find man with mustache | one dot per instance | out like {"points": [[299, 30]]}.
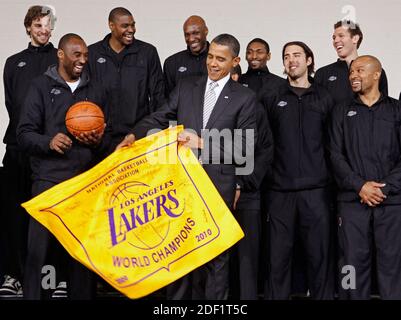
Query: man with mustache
{"points": [[298, 198], [365, 151]]}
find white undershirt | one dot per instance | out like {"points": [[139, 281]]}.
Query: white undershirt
{"points": [[73, 85], [222, 82]]}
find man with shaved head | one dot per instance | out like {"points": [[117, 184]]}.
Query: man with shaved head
{"points": [[365, 151], [130, 69], [57, 156], [189, 62]]}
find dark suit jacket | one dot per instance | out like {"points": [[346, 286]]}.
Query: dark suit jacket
{"points": [[234, 109]]}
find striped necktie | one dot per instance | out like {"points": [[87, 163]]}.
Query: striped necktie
{"points": [[210, 101]]}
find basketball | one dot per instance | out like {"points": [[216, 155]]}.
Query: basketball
{"points": [[84, 116]]}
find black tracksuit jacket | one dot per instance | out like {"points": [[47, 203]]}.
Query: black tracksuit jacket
{"points": [[335, 78], [262, 81], [43, 116], [134, 80], [20, 69], [181, 65], [299, 127], [365, 145]]}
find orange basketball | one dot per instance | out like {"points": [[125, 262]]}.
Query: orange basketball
{"points": [[84, 116]]}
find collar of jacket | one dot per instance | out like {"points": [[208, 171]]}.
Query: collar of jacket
{"points": [[132, 48], [53, 74], [263, 71], [343, 64], [202, 54], [46, 48], [311, 89], [357, 100]]}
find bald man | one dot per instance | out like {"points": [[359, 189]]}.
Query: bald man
{"points": [[189, 62], [365, 151], [57, 156]]}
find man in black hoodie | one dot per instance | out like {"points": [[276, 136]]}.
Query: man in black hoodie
{"points": [[299, 193], [365, 151], [19, 71], [56, 155], [131, 71]]}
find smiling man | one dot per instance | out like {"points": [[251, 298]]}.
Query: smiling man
{"points": [[57, 156], [365, 151], [258, 77], [298, 198], [189, 62], [204, 103], [347, 37], [19, 71], [130, 69]]}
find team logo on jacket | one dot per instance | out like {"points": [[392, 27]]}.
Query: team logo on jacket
{"points": [[21, 64], [182, 69], [282, 104], [351, 113], [101, 60], [55, 91], [245, 85], [332, 78]]}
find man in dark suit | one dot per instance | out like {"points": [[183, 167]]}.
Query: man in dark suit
{"points": [[208, 105]]}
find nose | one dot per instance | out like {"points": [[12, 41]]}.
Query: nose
{"points": [[254, 55]]}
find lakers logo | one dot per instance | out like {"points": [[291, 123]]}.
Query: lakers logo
{"points": [[135, 209]]}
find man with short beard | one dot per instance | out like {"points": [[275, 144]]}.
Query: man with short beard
{"points": [[299, 197], [347, 38], [57, 156], [19, 71], [131, 71], [365, 151], [189, 62]]}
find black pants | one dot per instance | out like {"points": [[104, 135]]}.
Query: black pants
{"points": [[311, 208], [361, 231], [16, 189], [248, 215], [43, 248]]}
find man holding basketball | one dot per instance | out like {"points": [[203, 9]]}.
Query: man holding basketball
{"points": [[56, 155]]}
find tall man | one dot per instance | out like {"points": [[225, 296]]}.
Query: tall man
{"points": [[347, 38], [210, 102], [19, 71], [56, 155], [131, 71], [189, 62], [298, 196], [365, 148]]}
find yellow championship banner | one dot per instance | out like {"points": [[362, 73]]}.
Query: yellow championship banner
{"points": [[142, 218]]}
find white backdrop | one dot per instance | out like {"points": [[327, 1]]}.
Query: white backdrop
{"points": [[160, 23]]}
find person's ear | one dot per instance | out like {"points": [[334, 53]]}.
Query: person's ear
{"points": [[60, 54], [111, 26], [269, 55], [236, 61]]}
